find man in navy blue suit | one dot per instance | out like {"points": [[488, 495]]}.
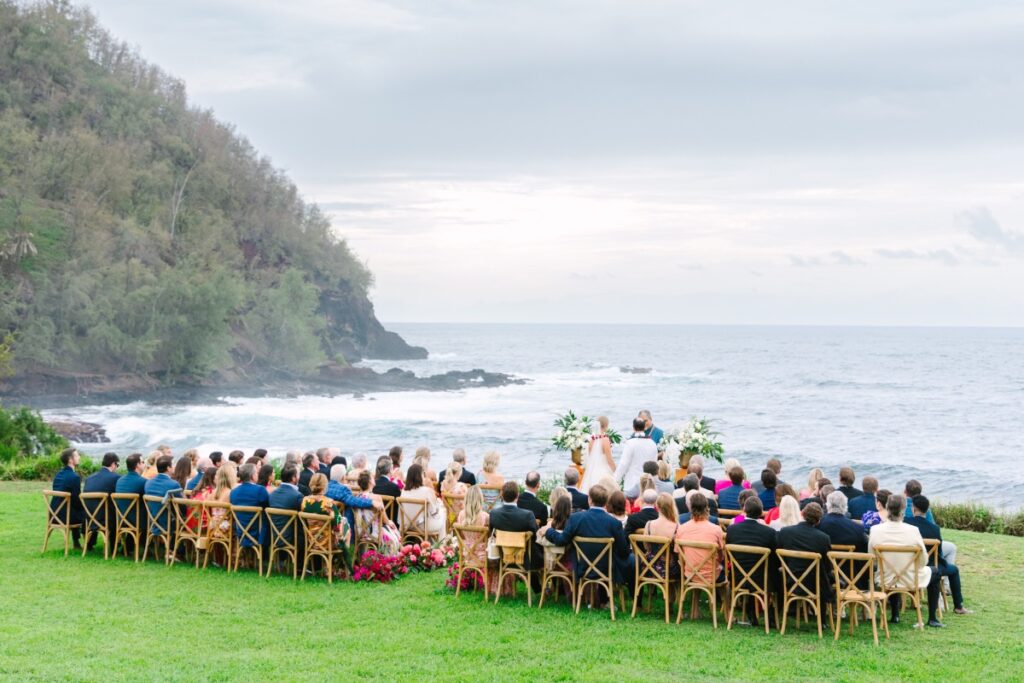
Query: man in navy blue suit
{"points": [[858, 505], [104, 480], [840, 529], [163, 486], [68, 481], [595, 522], [287, 497], [249, 494], [579, 499], [133, 482]]}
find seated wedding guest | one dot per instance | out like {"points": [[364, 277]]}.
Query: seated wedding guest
{"points": [[416, 489], [293, 457], [580, 500], [873, 517], [595, 522], [249, 493], [368, 519], [768, 483], [846, 480], [473, 512], [182, 472], [812, 483], [930, 530], [236, 456], [508, 516], [383, 486], [255, 461], [467, 478], [260, 453], [358, 465], [729, 496], [691, 485], [396, 463], [451, 480], [192, 455], [216, 458], [806, 537], [204, 489], [150, 471], [323, 461], [489, 475], [700, 529], [840, 529], [163, 486], [68, 481], [894, 531], [787, 513], [781, 491], [338, 491], [911, 489], [754, 532], [773, 464], [265, 478], [226, 479], [132, 482], [104, 480], [318, 503], [664, 524], [663, 484], [866, 501], [745, 495], [287, 497], [696, 466], [650, 469], [694, 470], [310, 468], [617, 506], [648, 512], [422, 459], [203, 465], [824, 488], [730, 465], [528, 498]]}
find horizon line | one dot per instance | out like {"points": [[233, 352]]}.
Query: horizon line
{"points": [[664, 324]]}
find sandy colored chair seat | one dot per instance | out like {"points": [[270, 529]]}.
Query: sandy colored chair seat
{"points": [[851, 572], [281, 524], [652, 569], [597, 571], [752, 584], [472, 542], [97, 509], [693, 580], [516, 551], [803, 589], [58, 517], [390, 511], [127, 509]]}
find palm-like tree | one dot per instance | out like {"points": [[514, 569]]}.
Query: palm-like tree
{"points": [[18, 247]]}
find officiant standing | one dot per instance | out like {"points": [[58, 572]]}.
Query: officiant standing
{"points": [[639, 449], [650, 430]]}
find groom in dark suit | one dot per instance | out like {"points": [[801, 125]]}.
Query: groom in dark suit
{"points": [[597, 523]]}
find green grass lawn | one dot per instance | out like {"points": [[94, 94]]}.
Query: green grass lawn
{"points": [[90, 619]]}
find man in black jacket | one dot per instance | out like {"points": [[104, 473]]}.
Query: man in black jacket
{"points": [[508, 516], [579, 498], [310, 466], [467, 477], [840, 529], [919, 505], [866, 502], [383, 486], [103, 480], [806, 537], [528, 499], [636, 522], [690, 483], [752, 532], [846, 479]]}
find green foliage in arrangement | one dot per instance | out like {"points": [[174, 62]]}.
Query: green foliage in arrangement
{"points": [[973, 517], [138, 234], [482, 641]]}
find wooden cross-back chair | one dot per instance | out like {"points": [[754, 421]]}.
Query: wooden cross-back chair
{"points": [[127, 525], [367, 530], [751, 584], [161, 523], [728, 514], [898, 573], [491, 494], [248, 534], [453, 504], [515, 551], [934, 548], [96, 511], [283, 524], [412, 519], [188, 527], [553, 572], [215, 537], [58, 517], [597, 571], [855, 587], [694, 581], [390, 511], [803, 589], [472, 542], [652, 569], [319, 540]]}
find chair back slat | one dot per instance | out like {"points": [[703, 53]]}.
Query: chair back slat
{"points": [[244, 527], [472, 542], [453, 505], [58, 506], [126, 510], [282, 524], [491, 495], [159, 508], [389, 507], [592, 569], [317, 532], [746, 580], [95, 506], [933, 546], [898, 567], [649, 552], [412, 518], [799, 585], [693, 572], [851, 571]]}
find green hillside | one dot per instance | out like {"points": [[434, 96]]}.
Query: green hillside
{"points": [[140, 236]]}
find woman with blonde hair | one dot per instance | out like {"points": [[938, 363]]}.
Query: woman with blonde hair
{"points": [[789, 513], [730, 465], [474, 513], [219, 524], [489, 476], [451, 483], [422, 458], [663, 484], [812, 483], [150, 470]]}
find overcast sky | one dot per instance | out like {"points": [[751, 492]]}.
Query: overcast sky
{"points": [[741, 162]]}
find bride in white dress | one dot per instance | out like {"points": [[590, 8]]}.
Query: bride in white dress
{"points": [[598, 463]]}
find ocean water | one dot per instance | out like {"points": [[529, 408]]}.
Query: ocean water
{"points": [[945, 406]]}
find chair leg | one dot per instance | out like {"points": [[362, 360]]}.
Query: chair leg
{"points": [[611, 599], [874, 626], [46, 539], [785, 615], [637, 592], [67, 541]]}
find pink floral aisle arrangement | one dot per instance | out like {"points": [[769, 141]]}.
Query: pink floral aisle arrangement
{"points": [[424, 557], [372, 566], [470, 580]]}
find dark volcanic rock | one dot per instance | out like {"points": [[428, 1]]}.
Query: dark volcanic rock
{"points": [[354, 332], [634, 371], [81, 432]]}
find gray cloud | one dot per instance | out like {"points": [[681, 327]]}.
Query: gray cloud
{"points": [[943, 256], [983, 226]]}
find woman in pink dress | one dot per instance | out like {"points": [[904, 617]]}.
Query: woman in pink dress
{"points": [[730, 464]]}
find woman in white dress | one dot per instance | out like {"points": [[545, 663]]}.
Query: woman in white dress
{"points": [[598, 464]]}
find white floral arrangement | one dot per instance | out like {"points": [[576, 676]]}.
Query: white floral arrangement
{"points": [[695, 436], [573, 432]]}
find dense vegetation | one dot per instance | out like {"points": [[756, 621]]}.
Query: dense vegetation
{"points": [[139, 235], [447, 638]]}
